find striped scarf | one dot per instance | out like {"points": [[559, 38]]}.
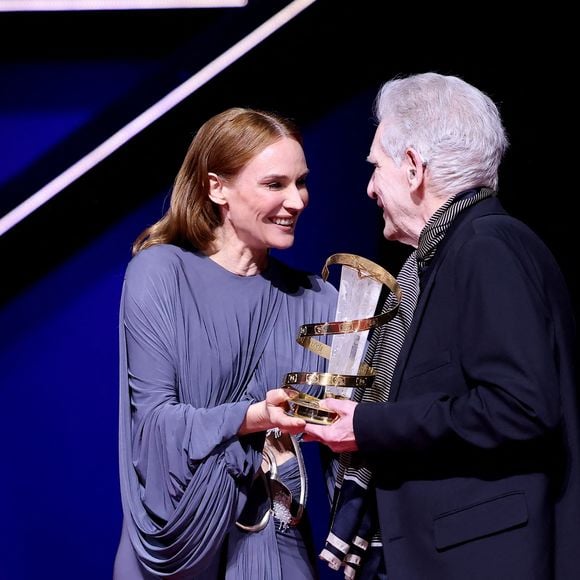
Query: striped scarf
{"points": [[354, 537]]}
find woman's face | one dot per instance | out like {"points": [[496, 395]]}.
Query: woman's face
{"points": [[264, 201]]}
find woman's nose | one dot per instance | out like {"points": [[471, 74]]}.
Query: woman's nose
{"points": [[296, 199]]}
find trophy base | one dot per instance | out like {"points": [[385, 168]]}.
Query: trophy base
{"points": [[308, 408]]}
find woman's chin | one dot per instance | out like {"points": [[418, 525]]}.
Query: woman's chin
{"points": [[283, 244]]}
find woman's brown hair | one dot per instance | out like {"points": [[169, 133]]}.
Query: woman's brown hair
{"points": [[224, 145]]}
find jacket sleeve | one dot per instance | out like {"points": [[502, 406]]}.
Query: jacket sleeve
{"points": [[504, 388]]}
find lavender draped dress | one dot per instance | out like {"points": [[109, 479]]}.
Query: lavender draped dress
{"points": [[198, 345]]}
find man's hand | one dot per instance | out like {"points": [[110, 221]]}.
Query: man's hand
{"points": [[339, 435]]}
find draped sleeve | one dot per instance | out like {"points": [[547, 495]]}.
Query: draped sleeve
{"points": [[183, 468]]}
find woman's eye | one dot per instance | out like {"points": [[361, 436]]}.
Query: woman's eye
{"points": [[274, 185]]}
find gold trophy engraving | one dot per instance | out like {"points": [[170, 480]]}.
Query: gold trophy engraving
{"points": [[365, 278]]}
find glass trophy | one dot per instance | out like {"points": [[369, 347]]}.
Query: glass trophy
{"points": [[360, 287]]}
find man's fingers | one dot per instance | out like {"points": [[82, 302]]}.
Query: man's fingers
{"points": [[330, 404]]}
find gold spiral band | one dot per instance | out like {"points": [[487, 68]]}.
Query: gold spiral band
{"points": [[365, 269], [329, 380]]}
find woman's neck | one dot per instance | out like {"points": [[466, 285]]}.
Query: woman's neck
{"points": [[242, 261]]}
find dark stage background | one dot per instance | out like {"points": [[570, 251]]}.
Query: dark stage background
{"points": [[68, 81]]}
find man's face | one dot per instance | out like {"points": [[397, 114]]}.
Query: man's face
{"points": [[389, 186]]}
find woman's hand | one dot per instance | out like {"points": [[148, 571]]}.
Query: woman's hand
{"points": [[271, 413]]}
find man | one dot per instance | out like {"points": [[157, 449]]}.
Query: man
{"points": [[470, 434]]}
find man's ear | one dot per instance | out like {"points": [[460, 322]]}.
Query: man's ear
{"points": [[415, 167], [216, 187]]}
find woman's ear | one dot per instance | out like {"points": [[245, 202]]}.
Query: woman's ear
{"points": [[216, 187]]}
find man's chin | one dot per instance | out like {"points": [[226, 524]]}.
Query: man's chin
{"points": [[389, 233]]}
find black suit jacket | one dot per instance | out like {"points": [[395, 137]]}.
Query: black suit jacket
{"points": [[476, 455]]}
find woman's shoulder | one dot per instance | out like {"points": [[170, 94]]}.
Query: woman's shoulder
{"points": [[156, 262], [160, 255], [157, 253]]}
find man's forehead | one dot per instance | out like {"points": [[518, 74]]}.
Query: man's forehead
{"points": [[376, 147]]}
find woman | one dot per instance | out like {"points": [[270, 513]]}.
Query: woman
{"points": [[208, 323]]}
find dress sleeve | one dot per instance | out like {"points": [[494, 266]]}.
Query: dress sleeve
{"points": [[184, 471]]}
